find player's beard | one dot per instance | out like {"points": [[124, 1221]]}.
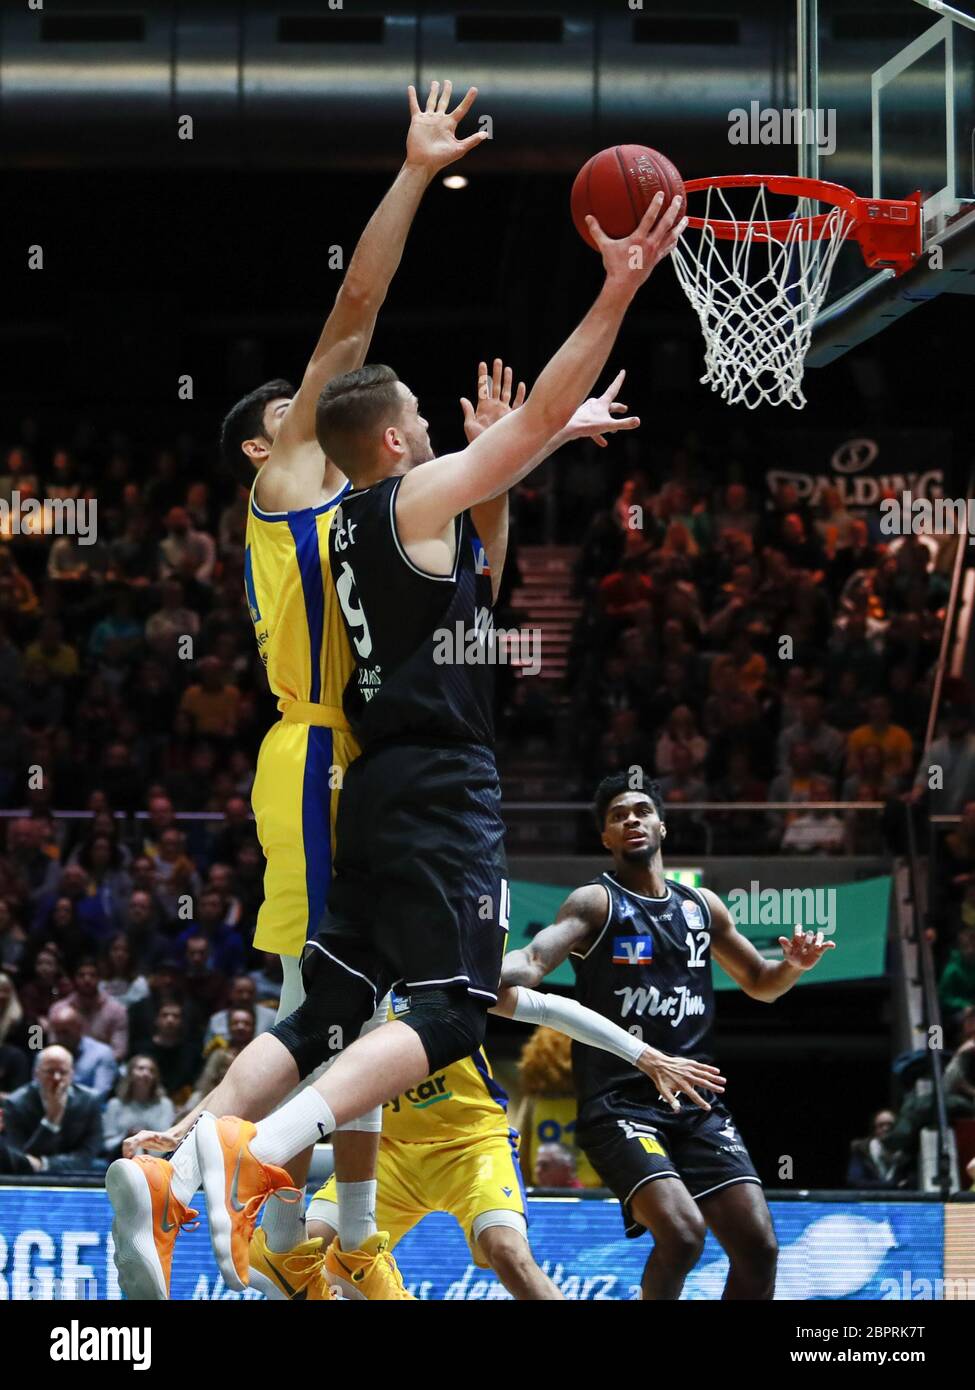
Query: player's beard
{"points": [[421, 450], [638, 856], [646, 853]]}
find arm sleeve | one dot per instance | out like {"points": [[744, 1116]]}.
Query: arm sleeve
{"points": [[577, 1022]]}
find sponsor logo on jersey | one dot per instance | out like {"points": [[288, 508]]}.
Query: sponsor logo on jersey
{"points": [[429, 1092], [692, 915], [648, 1000], [632, 950], [624, 910], [481, 564]]}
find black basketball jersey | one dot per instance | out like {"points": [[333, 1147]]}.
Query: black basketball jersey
{"points": [[649, 970], [423, 643]]}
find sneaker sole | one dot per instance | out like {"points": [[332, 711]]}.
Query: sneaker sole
{"points": [[140, 1273], [269, 1287], [214, 1181]]}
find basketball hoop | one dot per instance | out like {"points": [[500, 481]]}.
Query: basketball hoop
{"points": [[758, 297]]}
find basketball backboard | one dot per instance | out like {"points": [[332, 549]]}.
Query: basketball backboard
{"points": [[894, 81]]}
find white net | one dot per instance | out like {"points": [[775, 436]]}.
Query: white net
{"points": [[757, 298]]}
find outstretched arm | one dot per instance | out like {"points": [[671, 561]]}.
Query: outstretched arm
{"points": [[292, 477], [433, 493], [759, 978]]}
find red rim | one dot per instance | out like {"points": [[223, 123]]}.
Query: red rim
{"points": [[888, 229]]}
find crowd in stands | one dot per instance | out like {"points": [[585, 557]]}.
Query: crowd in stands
{"points": [[781, 653], [888, 1157], [130, 690]]}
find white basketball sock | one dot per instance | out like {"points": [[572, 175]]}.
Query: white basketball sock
{"points": [[186, 1169], [303, 1121], [284, 1224], [357, 1213]]}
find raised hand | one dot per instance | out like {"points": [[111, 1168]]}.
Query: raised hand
{"points": [[673, 1075], [431, 142], [805, 949], [601, 415], [631, 259], [494, 399]]}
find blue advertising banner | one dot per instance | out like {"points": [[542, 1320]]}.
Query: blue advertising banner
{"points": [[56, 1243]]}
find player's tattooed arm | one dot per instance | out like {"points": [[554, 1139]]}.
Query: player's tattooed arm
{"points": [[759, 978], [579, 921], [293, 476]]}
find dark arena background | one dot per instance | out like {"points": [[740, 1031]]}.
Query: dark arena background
{"points": [[719, 598]]}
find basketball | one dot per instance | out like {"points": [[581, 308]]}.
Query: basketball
{"points": [[618, 184]]}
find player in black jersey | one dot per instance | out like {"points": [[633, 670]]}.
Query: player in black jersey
{"points": [[641, 946], [419, 898]]}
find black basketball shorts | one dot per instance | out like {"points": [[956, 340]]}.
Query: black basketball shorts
{"points": [[630, 1144], [420, 892]]}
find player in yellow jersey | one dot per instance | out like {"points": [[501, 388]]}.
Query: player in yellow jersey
{"points": [[268, 438], [447, 1145]]}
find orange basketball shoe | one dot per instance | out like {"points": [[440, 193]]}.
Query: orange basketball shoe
{"points": [[148, 1218], [236, 1185]]}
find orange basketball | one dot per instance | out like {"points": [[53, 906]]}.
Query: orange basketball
{"points": [[617, 185]]}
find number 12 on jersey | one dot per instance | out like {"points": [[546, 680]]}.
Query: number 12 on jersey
{"points": [[696, 949]]}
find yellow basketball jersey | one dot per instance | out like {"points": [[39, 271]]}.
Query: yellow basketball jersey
{"points": [[457, 1104], [293, 605], [460, 1103]]}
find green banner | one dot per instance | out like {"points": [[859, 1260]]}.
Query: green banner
{"points": [[854, 915]]}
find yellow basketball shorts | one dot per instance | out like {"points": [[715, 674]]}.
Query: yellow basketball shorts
{"points": [[295, 801], [467, 1180]]}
